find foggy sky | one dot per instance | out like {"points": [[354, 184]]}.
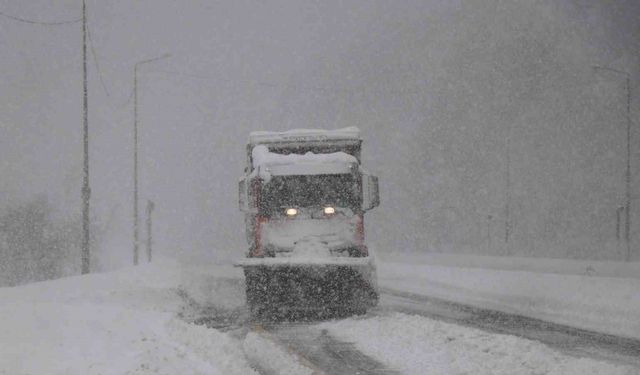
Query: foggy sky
{"points": [[442, 92]]}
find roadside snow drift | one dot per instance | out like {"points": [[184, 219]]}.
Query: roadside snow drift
{"points": [[114, 323], [597, 296]]}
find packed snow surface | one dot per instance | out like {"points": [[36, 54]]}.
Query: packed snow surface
{"points": [[598, 296], [271, 356], [415, 345]]}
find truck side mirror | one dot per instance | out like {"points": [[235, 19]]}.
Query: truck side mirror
{"points": [[246, 200], [242, 195], [370, 193]]}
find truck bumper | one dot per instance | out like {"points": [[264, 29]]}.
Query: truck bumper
{"points": [[293, 288]]}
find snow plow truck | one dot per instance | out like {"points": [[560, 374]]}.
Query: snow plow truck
{"points": [[304, 195]]}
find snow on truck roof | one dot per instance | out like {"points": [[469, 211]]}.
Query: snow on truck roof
{"points": [[270, 163], [260, 137]]}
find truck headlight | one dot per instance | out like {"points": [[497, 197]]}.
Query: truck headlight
{"points": [[291, 212], [329, 210]]}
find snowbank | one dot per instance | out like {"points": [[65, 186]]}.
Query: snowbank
{"points": [[567, 292], [113, 323]]}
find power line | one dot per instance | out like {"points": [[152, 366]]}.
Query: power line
{"points": [[129, 98], [95, 60], [43, 23]]}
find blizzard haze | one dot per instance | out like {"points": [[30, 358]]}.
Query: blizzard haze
{"points": [[468, 110]]}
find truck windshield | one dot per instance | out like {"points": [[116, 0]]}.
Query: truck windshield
{"points": [[338, 190]]}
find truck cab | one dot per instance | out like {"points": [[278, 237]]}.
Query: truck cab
{"points": [[304, 195]]}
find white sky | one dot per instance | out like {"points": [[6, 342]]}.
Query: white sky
{"points": [[435, 86]]}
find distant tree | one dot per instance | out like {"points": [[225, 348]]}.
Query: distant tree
{"points": [[33, 246]]}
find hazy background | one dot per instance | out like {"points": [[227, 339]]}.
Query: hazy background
{"points": [[448, 94]]}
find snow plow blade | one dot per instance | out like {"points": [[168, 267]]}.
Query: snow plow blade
{"points": [[290, 288]]}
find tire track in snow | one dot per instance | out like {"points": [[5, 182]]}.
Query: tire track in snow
{"points": [[570, 340], [323, 353], [306, 345], [272, 356], [211, 316]]}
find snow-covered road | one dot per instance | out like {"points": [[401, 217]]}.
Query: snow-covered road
{"points": [[170, 318], [567, 339]]}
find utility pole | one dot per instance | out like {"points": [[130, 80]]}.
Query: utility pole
{"points": [[489, 217], [135, 165], [627, 203], [150, 207], [507, 205], [135, 154], [619, 212], [86, 191], [628, 174]]}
